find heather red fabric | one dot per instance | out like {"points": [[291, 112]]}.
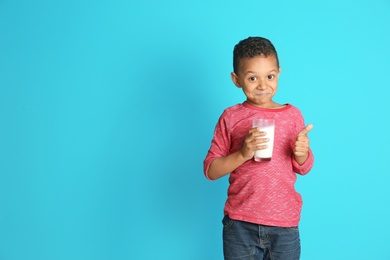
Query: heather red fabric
{"points": [[261, 192]]}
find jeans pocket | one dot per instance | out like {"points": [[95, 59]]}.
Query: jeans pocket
{"points": [[227, 222]]}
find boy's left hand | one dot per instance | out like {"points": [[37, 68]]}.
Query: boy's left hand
{"points": [[302, 144]]}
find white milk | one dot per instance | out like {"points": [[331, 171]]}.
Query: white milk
{"points": [[266, 154]]}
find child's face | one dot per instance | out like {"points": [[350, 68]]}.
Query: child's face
{"points": [[258, 78]]}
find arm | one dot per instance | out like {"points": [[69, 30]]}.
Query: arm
{"points": [[222, 166], [302, 145], [303, 157]]}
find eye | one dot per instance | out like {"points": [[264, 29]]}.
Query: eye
{"points": [[252, 78], [270, 77]]}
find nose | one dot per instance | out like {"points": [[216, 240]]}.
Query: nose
{"points": [[261, 84]]}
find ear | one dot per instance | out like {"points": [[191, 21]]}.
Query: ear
{"points": [[280, 69], [235, 79]]}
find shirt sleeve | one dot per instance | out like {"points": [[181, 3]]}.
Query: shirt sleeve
{"points": [[308, 164], [220, 145]]}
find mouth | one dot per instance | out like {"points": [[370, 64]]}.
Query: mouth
{"points": [[257, 93]]}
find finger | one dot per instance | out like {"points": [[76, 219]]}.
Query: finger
{"points": [[255, 133], [302, 141], [301, 147], [250, 134], [301, 150], [306, 130], [259, 141], [261, 147], [300, 153]]}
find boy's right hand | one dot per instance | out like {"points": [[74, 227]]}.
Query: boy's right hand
{"points": [[224, 165], [253, 142]]}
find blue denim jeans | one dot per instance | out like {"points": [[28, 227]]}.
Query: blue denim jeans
{"points": [[247, 241]]}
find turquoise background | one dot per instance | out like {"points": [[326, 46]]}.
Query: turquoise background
{"points": [[107, 110]]}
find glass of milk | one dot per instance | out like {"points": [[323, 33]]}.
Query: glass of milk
{"points": [[268, 126]]}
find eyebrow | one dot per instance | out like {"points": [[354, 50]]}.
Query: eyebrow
{"points": [[252, 72]]}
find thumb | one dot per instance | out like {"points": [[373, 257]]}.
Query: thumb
{"points": [[306, 130]]}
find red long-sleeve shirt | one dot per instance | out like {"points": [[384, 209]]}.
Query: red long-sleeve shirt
{"points": [[261, 192]]}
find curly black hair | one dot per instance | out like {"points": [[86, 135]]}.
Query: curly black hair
{"points": [[252, 47]]}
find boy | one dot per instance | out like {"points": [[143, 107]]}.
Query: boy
{"points": [[262, 210]]}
